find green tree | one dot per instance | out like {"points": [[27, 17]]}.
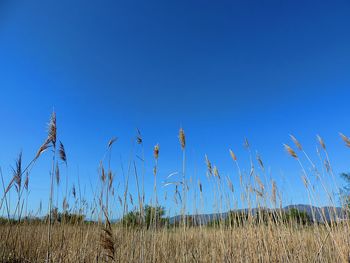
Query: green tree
{"points": [[297, 216], [65, 217], [345, 190], [154, 217], [132, 219]]}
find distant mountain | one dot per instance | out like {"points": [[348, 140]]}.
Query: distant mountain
{"points": [[321, 214], [317, 214]]}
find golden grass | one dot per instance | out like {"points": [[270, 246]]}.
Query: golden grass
{"points": [[248, 239], [82, 243]]}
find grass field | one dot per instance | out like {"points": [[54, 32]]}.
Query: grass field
{"points": [[245, 244], [145, 234]]}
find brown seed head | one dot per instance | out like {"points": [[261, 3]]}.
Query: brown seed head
{"points": [[42, 149], [260, 161], [138, 137], [216, 172], [182, 138], [74, 191], [110, 179], [200, 186], [296, 142], [345, 139], [233, 156], [52, 133], [111, 141], [62, 153], [290, 151], [156, 152], [103, 174], [209, 167], [321, 141]]}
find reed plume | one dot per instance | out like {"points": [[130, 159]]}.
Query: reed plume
{"points": [[233, 155], [258, 158], [62, 153], [52, 129], [216, 172], [107, 239], [156, 151], [209, 166], [290, 151], [321, 142], [17, 173], [139, 137], [42, 149], [296, 142], [182, 138], [111, 141], [345, 139]]}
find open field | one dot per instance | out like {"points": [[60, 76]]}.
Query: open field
{"points": [[245, 244], [263, 232]]}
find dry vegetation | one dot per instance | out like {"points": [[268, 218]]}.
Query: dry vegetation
{"points": [[246, 244], [145, 235]]}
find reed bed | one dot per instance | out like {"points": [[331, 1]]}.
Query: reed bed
{"points": [[262, 232]]}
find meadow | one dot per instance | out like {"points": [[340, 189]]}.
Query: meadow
{"points": [[87, 231]]}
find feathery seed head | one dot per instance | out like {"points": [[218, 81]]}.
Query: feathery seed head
{"points": [[62, 153], [345, 139], [138, 137], [290, 151], [200, 186], [111, 141], [17, 173], [103, 174], [296, 142], [233, 156], [182, 138], [209, 167], [42, 149], [216, 172], [321, 142], [110, 179], [52, 133], [258, 158], [74, 191], [156, 152]]}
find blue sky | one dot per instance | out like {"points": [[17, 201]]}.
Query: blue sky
{"points": [[222, 70]]}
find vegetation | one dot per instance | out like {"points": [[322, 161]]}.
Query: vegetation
{"points": [[154, 217], [82, 230], [345, 190]]}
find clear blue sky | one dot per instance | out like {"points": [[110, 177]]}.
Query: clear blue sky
{"points": [[222, 70]]}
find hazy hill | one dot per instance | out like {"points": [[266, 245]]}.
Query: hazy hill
{"points": [[317, 214]]}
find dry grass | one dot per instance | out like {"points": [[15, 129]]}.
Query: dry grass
{"points": [[270, 240], [244, 244]]}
